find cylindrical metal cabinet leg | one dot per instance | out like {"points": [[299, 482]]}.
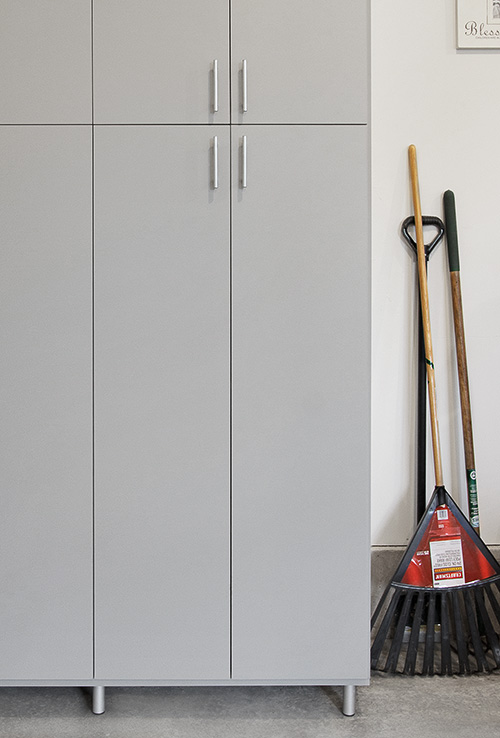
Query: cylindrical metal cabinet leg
{"points": [[98, 704], [349, 706]]}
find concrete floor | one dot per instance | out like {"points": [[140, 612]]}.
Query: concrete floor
{"points": [[417, 707]]}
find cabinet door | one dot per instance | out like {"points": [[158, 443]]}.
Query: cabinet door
{"points": [[306, 62], [46, 400], [45, 57], [161, 403], [154, 61], [300, 378]]}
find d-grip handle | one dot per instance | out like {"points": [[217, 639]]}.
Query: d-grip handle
{"points": [[427, 220]]}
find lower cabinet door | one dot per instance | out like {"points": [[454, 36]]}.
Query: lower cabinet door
{"points": [[162, 589], [46, 402], [300, 401]]}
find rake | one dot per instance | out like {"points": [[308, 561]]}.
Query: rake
{"points": [[441, 611]]}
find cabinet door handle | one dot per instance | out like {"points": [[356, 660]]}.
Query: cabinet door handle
{"points": [[215, 153], [215, 88], [244, 162], [244, 86]]}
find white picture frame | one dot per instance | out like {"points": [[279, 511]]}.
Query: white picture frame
{"points": [[478, 24], [493, 12]]}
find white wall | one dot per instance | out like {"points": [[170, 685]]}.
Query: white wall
{"points": [[447, 103]]}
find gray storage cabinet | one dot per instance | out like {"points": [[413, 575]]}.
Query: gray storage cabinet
{"points": [[186, 368]]}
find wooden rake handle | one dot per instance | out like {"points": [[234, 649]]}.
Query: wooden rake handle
{"points": [[426, 321]]}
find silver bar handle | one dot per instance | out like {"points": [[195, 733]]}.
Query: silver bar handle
{"points": [[215, 70], [244, 162], [244, 86], [215, 151]]}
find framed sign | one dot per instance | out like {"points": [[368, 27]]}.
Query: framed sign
{"points": [[478, 24]]}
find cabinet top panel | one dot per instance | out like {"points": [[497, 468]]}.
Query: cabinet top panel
{"points": [[45, 57], [291, 62]]}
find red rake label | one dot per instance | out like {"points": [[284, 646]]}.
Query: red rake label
{"points": [[447, 562]]}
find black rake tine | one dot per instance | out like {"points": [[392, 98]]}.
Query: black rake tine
{"points": [[412, 651], [392, 659], [445, 636], [428, 667], [383, 631], [491, 636], [493, 602], [482, 664], [463, 656], [379, 606]]}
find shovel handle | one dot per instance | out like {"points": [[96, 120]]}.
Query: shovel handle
{"points": [[426, 322]]}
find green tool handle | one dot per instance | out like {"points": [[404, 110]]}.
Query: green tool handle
{"points": [[463, 378], [450, 217]]}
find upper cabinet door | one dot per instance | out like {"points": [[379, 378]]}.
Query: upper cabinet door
{"points": [[300, 62], [45, 57], [157, 61]]}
